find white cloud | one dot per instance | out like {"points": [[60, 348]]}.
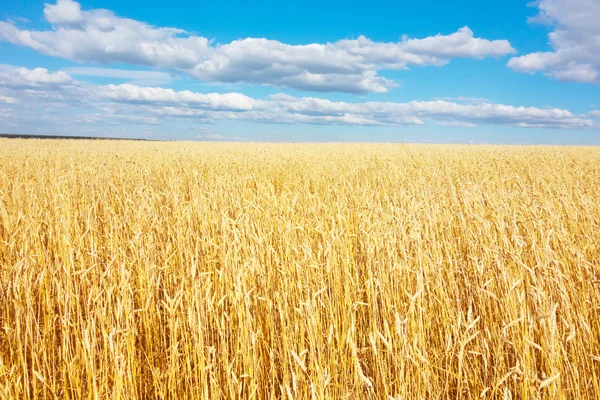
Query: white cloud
{"points": [[456, 124], [575, 42], [64, 12], [319, 67], [38, 78], [347, 65], [8, 100], [438, 110], [433, 50], [284, 108], [156, 95], [99, 35], [133, 104]]}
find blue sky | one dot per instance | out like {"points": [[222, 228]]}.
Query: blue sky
{"points": [[435, 71]]}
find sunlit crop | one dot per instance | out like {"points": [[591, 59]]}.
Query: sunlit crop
{"points": [[309, 271]]}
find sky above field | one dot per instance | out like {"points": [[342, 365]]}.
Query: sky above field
{"points": [[401, 71]]}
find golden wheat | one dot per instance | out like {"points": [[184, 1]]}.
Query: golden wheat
{"points": [[281, 271]]}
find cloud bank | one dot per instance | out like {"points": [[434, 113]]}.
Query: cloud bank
{"points": [[351, 66], [129, 103]]}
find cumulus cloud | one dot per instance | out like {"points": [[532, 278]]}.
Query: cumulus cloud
{"points": [[346, 65], [575, 42], [131, 104], [37, 79], [99, 35], [433, 50], [8, 100], [156, 95], [440, 111], [64, 12]]}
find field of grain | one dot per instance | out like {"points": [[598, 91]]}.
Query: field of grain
{"points": [[298, 271]]}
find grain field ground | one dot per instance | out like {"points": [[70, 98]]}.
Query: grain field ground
{"points": [[298, 271]]}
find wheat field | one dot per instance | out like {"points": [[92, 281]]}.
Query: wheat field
{"points": [[298, 271]]}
